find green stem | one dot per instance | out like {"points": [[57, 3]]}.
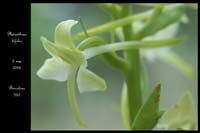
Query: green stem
{"points": [[112, 32], [127, 45], [132, 73], [125, 108], [83, 27], [72, 96], [114, 24]]}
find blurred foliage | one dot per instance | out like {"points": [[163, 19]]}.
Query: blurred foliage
{"points": [[49, 105]]}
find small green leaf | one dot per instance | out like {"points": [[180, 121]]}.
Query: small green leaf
{"points": [[63, 33], [148, 115], [89, 81], [54, 69], [181, 115]]}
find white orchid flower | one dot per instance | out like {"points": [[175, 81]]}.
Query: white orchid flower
{"points": [[66, 62], [69, 63], [58, 69]]}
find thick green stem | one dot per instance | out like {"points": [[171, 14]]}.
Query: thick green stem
{"points": [[133, 81], [132, 73]]}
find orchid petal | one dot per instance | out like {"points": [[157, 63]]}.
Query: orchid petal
{"points": [[54, 69], [63, 35], [89, 81]]}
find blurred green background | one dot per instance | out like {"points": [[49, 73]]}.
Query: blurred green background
{"points": [[100, 110]]}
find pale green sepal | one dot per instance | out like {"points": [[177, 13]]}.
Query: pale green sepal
{"points": [[63, 33], [45, 41], [54, 69], [65, 54], [181, 115]]}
